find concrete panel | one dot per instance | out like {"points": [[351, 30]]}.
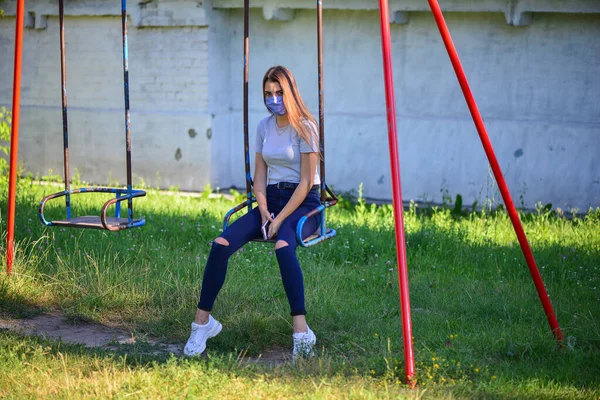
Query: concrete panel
{"points": [[168, 94], [173, 150]]}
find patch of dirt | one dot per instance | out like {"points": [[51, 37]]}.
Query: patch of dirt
{"points": [[56, 326], [274, 356]]}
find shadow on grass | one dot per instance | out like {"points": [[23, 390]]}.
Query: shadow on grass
{"points": [[17, 305]]}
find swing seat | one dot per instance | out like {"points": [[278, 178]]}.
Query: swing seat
{"points": [[115, 223], [308, 239], [321, 234], [317, 234], [94, 222]]}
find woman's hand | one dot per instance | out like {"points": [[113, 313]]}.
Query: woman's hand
{"points": [[274, 228], [265, 215]]}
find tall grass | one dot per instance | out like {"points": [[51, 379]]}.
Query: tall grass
{"points": [[479, 328]]}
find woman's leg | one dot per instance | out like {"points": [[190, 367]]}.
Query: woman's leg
{"points": [[289, 267], [235, 236], [204, 326], [291, 274]]}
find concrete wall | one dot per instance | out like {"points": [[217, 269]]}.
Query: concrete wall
{"points": [[537, 87], [532, 66]]}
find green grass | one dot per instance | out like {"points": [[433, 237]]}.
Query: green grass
{"points": [[479, 328]]}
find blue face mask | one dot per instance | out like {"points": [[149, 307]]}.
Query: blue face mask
{"points": [[275, 105]]}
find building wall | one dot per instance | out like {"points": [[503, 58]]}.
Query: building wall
{"points": [[537, 88], [536, 84], [168, 75]]}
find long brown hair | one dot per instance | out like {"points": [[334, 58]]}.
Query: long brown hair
{"points": [[300, 118]]}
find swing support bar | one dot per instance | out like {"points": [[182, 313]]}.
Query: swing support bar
{"points": [[409, 359], [489, 152], [14, 137]]}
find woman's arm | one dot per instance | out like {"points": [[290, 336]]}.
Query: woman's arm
{"points": [[260, 186], [308, 168]]}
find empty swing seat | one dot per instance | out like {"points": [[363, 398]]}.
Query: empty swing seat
{"points": [[115, 223], [94, 222]]}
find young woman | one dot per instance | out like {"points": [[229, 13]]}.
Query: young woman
{"points": [[286, 188]]}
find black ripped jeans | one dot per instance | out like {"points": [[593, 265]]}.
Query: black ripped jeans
{"points": [[246, 229]]}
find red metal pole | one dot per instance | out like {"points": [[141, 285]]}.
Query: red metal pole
{"points": [[14, 138], [409, 359], [489, 151]]}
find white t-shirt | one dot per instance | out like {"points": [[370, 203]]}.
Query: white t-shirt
{"points": [[281, 148]]}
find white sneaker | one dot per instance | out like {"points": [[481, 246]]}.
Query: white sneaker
{"points": [[303, 343], [196, 344]]}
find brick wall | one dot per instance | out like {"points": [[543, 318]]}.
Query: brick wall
{"points": [[168, 74]]}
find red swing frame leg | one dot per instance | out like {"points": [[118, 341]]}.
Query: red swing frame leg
{"points": [[409, 359], [489, 151], [14, 138]]}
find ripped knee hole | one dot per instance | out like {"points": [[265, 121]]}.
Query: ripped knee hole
{"points": [[222, 241], [280, 244]]}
